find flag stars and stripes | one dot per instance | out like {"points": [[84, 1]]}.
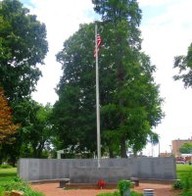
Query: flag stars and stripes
{"points": [[98, 44]]}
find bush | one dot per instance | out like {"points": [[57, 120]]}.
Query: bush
{"points": [[178, 185], [124, 186]]}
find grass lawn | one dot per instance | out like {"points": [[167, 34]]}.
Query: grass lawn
{"points": [[7, 174], [183, 170], [184, 173], [9, 181]]}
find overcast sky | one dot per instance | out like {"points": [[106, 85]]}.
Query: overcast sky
{"points": [[166, 32]]}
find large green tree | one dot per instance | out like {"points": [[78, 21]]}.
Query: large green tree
{"points": [[23, 45], [135, 96], [35, 132], [74, 113], [129, 97]]}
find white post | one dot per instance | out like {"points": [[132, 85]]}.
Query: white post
{"points": [[159, 149], [59, 152], [97, 100]]}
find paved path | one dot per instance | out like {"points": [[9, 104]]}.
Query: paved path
{"points": [[51, 189]]}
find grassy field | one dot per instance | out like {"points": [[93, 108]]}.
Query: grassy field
{"points": [[7, 174], [183, 170], [184, 173], [9, 181]]}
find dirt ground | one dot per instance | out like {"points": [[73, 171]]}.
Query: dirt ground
{"points": [[52, 189]]}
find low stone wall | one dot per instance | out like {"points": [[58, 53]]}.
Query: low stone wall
{"points": [[86, 170], [92, 175]]}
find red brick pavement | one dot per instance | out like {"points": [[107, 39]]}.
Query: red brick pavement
{"points": [[51, 189]]}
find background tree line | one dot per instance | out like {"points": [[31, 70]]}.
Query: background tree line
{"points": [[130, 103]]}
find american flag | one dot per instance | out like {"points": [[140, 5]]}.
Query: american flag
{"points": [[98, 44]]}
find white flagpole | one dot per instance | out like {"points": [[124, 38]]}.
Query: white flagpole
{"points": [[97, 101]]}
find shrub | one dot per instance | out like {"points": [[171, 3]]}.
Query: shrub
{"points": [[178, 184], [124, 186]]}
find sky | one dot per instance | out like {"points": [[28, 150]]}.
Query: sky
{"points": [[166, 29]]}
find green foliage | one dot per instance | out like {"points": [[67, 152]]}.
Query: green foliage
{"points": [[187, 193], [129, 98], [20, 186], [184, 65], [187, 180], [154, 138], [178, 184], [124, 185], [133, 193], [186, 148], [35, 133], [7, 175], [116, 10], [23, 45], [9, 181], [34, 137], [129, 86], [184, 172], [74, 112]]}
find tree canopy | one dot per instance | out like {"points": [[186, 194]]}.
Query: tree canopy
{"points": [[34, 135], [35, 131], [129, 97], [23, 45], [74, 113], [186, 148]]}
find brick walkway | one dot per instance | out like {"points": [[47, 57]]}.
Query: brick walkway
{"points": [[51, 189]]}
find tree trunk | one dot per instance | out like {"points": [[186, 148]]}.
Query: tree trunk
{"points": [[111, 154], [123, 149]]}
